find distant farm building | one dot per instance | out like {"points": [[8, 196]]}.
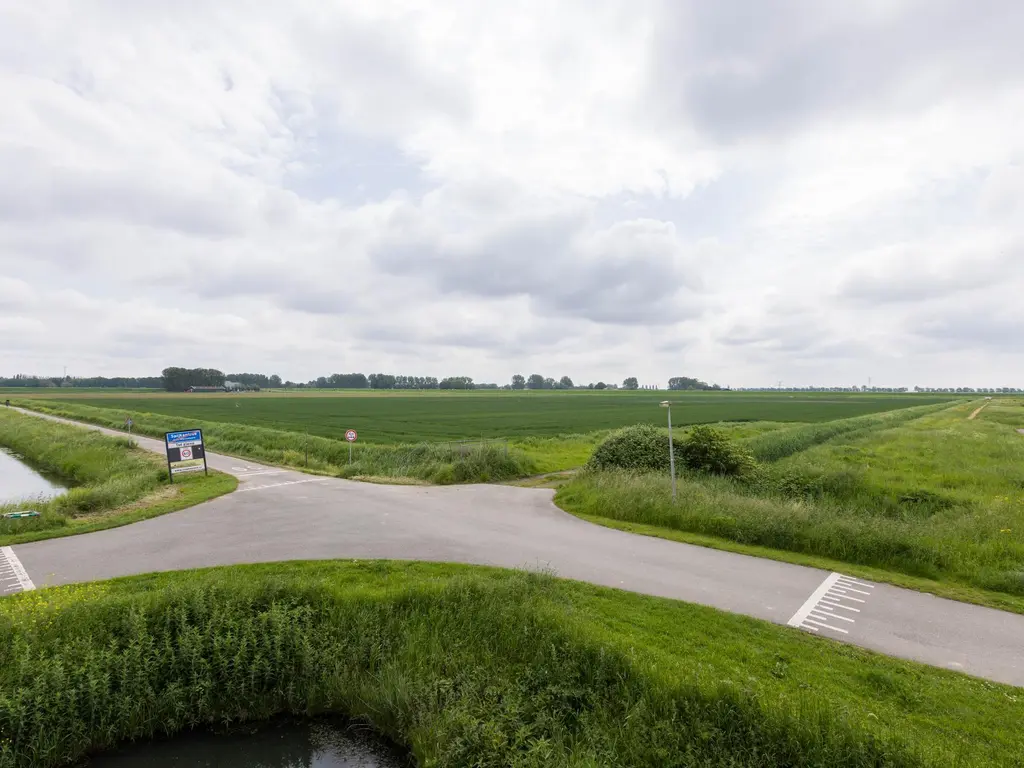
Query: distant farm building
{"points": [[206, 389]]}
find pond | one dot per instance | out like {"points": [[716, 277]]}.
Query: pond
{"points": [[19, 481], [278, 744]]}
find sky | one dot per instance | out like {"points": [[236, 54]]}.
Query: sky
{"points": [[740, 191]]}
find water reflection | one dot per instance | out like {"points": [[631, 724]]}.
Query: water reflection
{"points": [[18, 481], [286, 744]]}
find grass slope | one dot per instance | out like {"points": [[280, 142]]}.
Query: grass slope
{"points": [[395, 417], [435, 463], [472, 666], [114, 482], [937, 498]]}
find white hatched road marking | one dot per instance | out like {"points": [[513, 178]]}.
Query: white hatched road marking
{"points": [[13, 576], [278, 485], [253, 471], [822, 604]]}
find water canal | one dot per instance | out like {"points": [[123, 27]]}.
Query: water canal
{"points": [[20, 482], [279, 744]]}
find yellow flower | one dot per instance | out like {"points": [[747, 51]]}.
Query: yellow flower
{"points": [[1004, 530]]}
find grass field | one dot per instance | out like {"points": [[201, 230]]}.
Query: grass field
{"points": [[472, 666], [113, 482], [388, 417], [938, 497]]}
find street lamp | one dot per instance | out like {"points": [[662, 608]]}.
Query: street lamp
{"points": [[671, 450]]}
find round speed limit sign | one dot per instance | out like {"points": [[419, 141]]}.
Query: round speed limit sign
{"points": [[351, 435], [186, 454]]}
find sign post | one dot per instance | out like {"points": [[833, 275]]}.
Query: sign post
{"points": [[351, 436], [184, 452]]}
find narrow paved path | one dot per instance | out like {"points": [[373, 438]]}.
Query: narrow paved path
{"points": [[279, 514]]}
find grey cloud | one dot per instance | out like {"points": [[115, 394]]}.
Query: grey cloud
{"points": [[742, 67], [631, 272], [35, 189], [926, 277], [994, 329]]}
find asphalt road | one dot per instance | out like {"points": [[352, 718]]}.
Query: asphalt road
{"points": [[279, 514]]}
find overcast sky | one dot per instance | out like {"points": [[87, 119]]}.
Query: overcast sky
{"points": [[810, 191]]}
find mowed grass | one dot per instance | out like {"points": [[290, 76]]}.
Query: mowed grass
{"points": [[436, 416], [937, 497], [474, 667]]}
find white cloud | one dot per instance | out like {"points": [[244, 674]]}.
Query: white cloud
{"points": [[597, 189]]}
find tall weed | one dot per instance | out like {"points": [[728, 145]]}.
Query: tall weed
{"points": [[465, 671]]}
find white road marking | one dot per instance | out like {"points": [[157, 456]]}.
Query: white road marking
{"points": [[278, 485], [822, 604], [17, 569]]}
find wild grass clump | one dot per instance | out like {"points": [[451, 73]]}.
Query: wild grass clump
{"points": [[643, 448], [780, 443], [433, 462], [470, 668]]}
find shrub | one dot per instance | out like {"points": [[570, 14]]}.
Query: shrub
{"points": [[641, 448], [644, 448], [706, 449]]}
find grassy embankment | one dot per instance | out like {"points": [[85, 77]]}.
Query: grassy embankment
{"points": [[435, 463], [430, 462], [112, 481], [473, 667], [934, 502]]}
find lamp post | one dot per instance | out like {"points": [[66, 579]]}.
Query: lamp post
{"points": [[671, 451]]}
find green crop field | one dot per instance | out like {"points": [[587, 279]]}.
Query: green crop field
{"points": [[433, 416]]}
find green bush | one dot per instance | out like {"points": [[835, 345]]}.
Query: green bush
{"points": [[706, 449], [644, 448], [641, 448]]}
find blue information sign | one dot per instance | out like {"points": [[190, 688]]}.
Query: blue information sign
{"points": [[185, 452]]}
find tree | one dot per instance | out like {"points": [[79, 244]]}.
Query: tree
{"points": [[600, 385], [518, 382], [180, 379], [536, 381], [685, 382], [381, 381], [549, 383], [347, 381], [630, 383], [456, 382], [566, 382]]}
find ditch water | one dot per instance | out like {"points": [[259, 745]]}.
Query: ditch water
{"points": [[279, 744], [20, 482]]}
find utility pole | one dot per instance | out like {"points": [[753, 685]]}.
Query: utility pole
{"points": [[671, 449]]}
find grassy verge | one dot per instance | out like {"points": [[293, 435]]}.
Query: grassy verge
{"points": [[777, 444], [937, 500], [473, 667], [114, 482], [439, 463]]}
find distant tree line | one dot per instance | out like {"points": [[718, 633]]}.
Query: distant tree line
{"points": [[255, 380], [116, 382], [389, 381], [178, 379]]}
